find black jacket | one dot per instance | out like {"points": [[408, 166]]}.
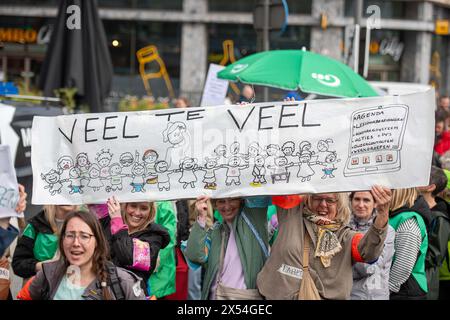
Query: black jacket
{"points": [[121, 246], [438, 234], [420, 206], [24, 260], [442, 206], [183, 221]]}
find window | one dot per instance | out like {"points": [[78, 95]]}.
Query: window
{"points": [[389, 9], [125, 38], [295, 6], [143, 4]]}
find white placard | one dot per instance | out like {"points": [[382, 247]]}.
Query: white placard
{"points": [[215, 89], [228, 151], [9, 190]]}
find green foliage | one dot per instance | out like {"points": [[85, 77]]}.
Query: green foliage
{"points": [[133, 103], [67, 96]]}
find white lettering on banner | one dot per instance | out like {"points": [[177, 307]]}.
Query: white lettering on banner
{"points": [[329, 80], [74, 20], [238, 68], [26, 136], [231, 151], [291, 271]]}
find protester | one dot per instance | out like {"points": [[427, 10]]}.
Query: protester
{"points": [[232, 252], [442, 136], [409, 216], [247, 94], [294, 271], [39, 241], [195, 270], [8, 234], [135, 240], [438, 231], [163, 280], [444, 103], [182, 102], [370, 281], [444, 271], [83, 271]]}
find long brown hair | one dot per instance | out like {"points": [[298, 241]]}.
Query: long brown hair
{"points": [[101, 252]]}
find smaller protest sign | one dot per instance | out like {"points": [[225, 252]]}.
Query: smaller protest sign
{"points": [[215, 89], [9, 190]]}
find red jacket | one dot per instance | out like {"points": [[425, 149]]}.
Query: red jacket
{"points": [[443, 144]]}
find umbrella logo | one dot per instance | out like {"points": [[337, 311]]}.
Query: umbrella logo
{"points": [[327, 79], [238, 68]]}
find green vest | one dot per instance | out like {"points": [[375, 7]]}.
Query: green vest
{"points": [[45, 245], [418, 271]]}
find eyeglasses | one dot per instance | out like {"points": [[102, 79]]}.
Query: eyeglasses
{"points": [[328, 201], [83, 237]]}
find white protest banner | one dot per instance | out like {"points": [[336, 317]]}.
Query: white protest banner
{"points": [[230, 151], [9, 189], [215, 89]]}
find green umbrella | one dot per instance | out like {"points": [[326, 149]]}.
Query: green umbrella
{"points": [[298, 69]]}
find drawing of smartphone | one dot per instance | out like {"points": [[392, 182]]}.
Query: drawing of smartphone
{"points": [[376, 140]]}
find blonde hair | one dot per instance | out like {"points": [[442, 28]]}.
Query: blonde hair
{"points": [[403, 197], [151, 216], [342, 206], [50, 214]]}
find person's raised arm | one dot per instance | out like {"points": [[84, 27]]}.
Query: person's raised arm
{"points": [[198, 245], [382, 197]]}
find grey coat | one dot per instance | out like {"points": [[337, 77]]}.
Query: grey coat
{"points": [[53, 272], [371, 281]]}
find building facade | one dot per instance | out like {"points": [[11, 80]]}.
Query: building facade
{"points": [[175, 40]]}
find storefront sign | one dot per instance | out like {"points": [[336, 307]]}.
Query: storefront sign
{"points": [[18, 35], [391, 46], [26, 35], [441, 27]]}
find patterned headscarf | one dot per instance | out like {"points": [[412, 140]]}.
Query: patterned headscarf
{"points": [[328, 243], [360, 224]]}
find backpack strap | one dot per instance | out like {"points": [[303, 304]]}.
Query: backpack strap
{"points": [[115, 281], [45, 290], [256, 234]]}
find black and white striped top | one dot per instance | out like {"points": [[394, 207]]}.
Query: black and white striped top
{"points": [[407, 245]]}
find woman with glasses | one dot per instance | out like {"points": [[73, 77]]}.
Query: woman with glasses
{"points": [[370, 281], [83, 271], [39, 241], [232, 252], [314, 252], [135, 240]]}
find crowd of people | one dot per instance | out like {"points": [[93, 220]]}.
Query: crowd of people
{"points": [[377, 244]]}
